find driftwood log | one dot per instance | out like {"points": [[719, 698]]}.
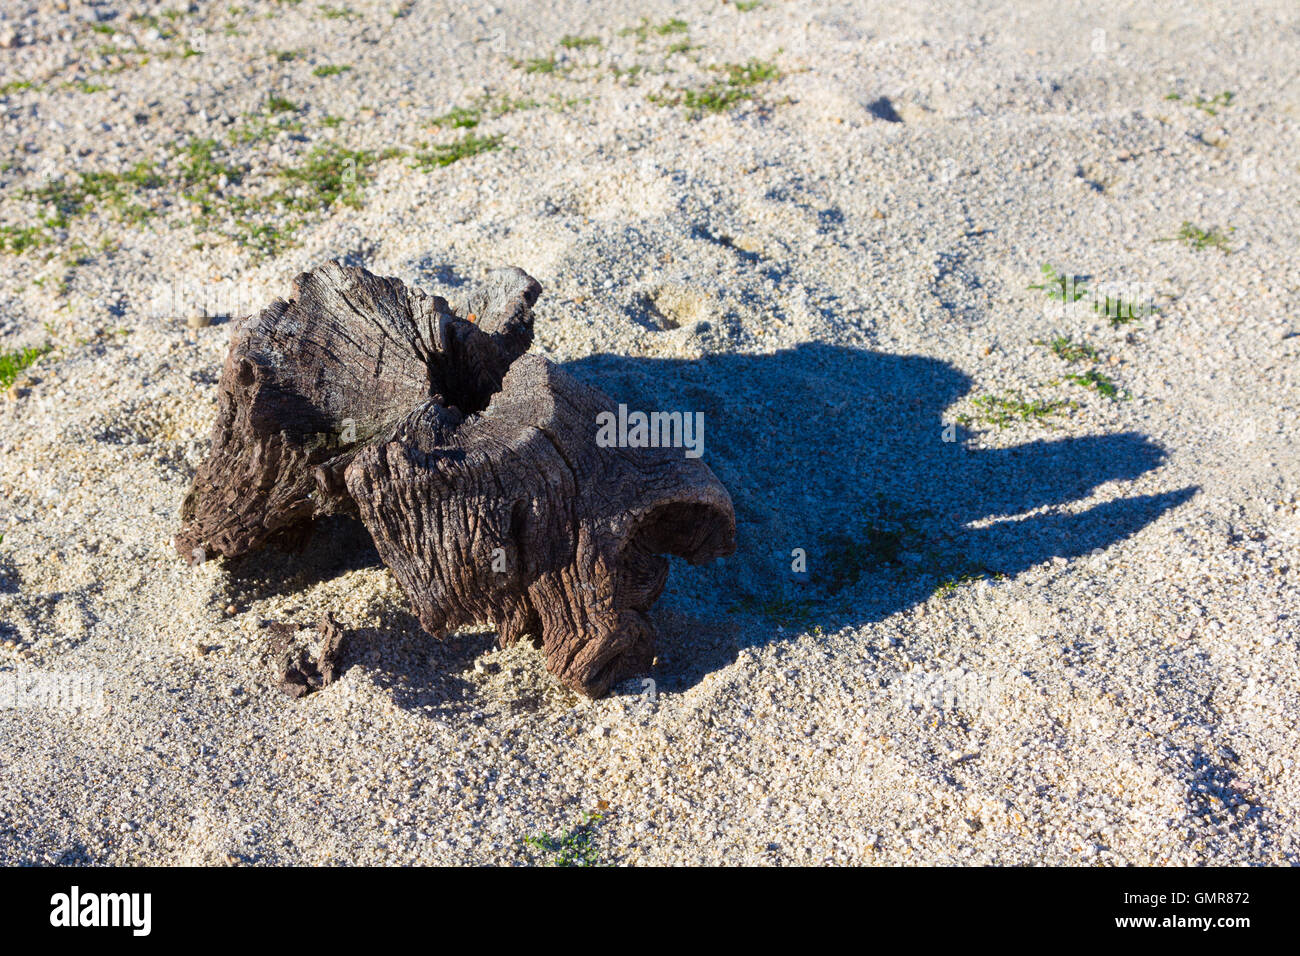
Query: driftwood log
{"points": [[474, 466]]}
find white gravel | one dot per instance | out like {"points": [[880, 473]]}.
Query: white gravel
{"points": [[1083, 646]]}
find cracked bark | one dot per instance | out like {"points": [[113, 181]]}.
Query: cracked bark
{"points": [[473, 465]]}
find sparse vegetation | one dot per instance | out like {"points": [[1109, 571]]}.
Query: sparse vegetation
{"points": [[279, 104], [337, 13], [846, 557], [12, 364], [573, 42], [444, 154], [487, 107], [330, 173], [1062, 288], [67, 198], [574, 847], [786, 612], [1070, 351], [201, 173], [1212, 105], [1001, 410], [330, 69], [458, 117], [1099, 382], [644, 30], [1197, 238], [537, 64], [737, 85], [19, 239], [949, 586], [1119, 310]]}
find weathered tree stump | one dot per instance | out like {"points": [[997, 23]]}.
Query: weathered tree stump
{"points": [[474, 466]]}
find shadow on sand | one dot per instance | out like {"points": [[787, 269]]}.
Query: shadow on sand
{"points": [[840, 452]]}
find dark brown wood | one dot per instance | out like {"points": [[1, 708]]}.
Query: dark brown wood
{"points": [[474, 466], [299, 673]]}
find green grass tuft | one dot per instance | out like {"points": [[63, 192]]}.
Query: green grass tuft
{"points": [[1099, 382], [575, 847], [1008, 407], [1212, 105], [645, 29], [574, 42], [537, 64], [1062, 288], [737, 85], [13, 363], [1119, 310], [444, 154], [1197, 238], [1064, 348]]}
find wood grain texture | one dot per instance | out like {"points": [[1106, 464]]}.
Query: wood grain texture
{"points": [[474, 466]]}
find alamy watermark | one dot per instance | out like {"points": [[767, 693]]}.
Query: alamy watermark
{"points": [[651, 430], [52, 690]]}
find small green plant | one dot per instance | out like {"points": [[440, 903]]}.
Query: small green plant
{"points": [[278, 104], [485, 107], [1212, 105], [744, 6], [458, 118], [1099, 382], [337, 13], [1119, 310], [1002, 409], [16, 86], [846, 557], [444, 154], [1197, 238], [330, 69], [1062, 288], [574, 847], [949, 586], [19, 239], [152, 22], [780, 610], [329, 174], [537, 64], [737, 85], [201, 171], [644, 30], [112, 49], [573, 42], [68, 198], [1070, 351], [13, 363]]}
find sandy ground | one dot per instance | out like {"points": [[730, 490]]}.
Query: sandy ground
{"points": [[1050, 610]]}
